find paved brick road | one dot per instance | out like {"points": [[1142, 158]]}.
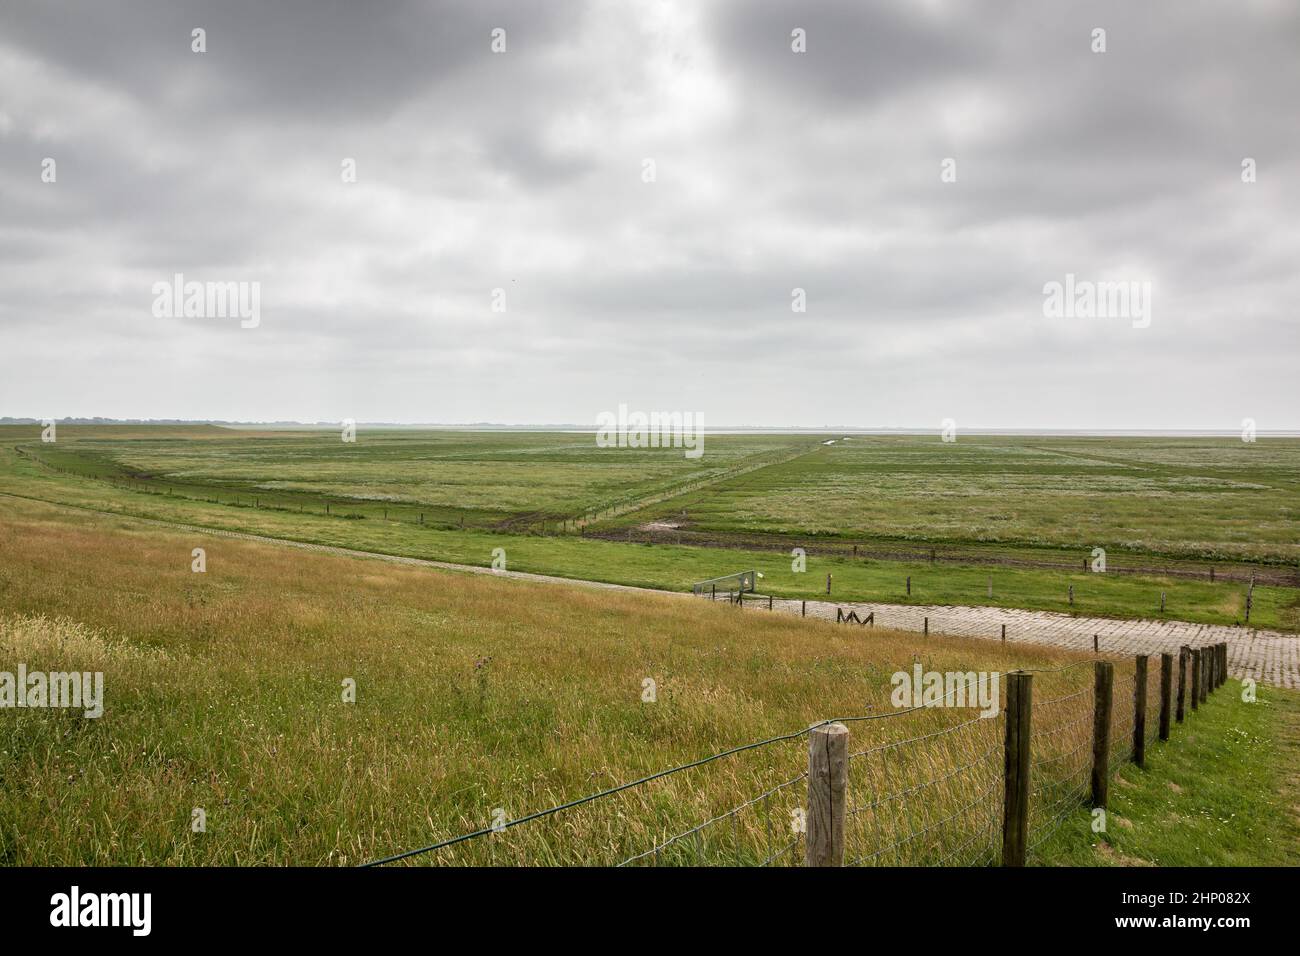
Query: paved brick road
{"points": [[1270, 657]]}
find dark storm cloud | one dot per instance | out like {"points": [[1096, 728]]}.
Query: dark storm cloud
{"points": [[523, 171]]}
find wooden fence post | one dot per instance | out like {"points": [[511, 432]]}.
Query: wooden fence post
{"points": [[828, 584], [1183, 653], [1205, 674], [1140, 709], [1103, 683], [1015, 807], [828, 772], [927, 627], [1166, 686], [1225, 662], [1196, 678]]}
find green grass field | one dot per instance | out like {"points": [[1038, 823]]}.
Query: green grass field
{"points": [[481, 698], [1220, 793], [457, 497], [1205, 499]]}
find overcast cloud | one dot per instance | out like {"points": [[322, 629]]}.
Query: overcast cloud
{"points": [[523, 171]]}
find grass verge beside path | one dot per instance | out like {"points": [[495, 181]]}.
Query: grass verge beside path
{"points": [[1223, 791]]}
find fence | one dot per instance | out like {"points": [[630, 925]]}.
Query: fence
{"points": [[729, 584], [926, 785]]}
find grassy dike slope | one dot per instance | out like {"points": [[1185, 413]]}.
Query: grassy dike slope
{"points": [[473, 695], [674, 568]]}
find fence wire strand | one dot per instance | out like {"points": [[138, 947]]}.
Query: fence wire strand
{"points": [[925, 787]]}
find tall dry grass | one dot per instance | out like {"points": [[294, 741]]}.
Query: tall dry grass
{"points": [[475, 695]]}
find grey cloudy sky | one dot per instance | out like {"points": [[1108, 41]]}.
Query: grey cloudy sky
{"points": [[523, 171]]}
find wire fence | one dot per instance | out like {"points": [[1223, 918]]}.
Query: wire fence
{"points": [[931, 797], [923, 786], [1122, 716], [1061, 745]]}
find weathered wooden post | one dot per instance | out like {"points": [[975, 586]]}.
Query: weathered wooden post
{"points": [[828, 584], [803, 608], [1015, 807], [1183, 653], [1096, 645], [909, 585], [1071, 594], [1004, 633], [1140, 709], [1166, 687], [1103, 684], [926, 627], [828, 774], [1196, 678], [1205, 674], [1162, 602], [1225, 662]]}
